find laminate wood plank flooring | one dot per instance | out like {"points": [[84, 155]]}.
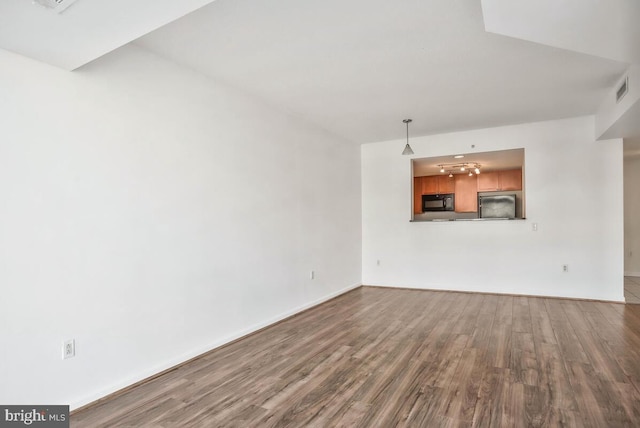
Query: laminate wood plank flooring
{"points": [[380, 357], [632, 289]]}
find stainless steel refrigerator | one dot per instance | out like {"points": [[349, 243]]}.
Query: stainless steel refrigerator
{"points": [[497, 206]]}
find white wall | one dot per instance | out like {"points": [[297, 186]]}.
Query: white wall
{"points": [[564, 169], [152, 214], [632, 216], [620, 119]]}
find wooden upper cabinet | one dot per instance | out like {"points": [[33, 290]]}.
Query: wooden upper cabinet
{"points": [[446, 184], [430, 185], [417, 195], [511, 179], [500, 180], [437, 184], [488, 181], [466, 194]]}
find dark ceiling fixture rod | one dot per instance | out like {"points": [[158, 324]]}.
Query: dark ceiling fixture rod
{"points": [[407, 149]]}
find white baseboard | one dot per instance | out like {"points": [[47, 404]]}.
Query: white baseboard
{"points": [[196, 352], [632, 274], [432, 287]]}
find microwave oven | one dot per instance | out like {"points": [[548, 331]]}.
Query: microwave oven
{"points": [[443, 202]]}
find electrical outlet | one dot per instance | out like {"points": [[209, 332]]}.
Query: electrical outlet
{"points": [[565, 268], [534, 227], [312, 275], [69, 349]]}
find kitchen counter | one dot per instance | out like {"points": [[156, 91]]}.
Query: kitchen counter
{"points": [[462, 219]]}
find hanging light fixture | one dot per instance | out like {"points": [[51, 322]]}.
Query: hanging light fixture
{"points": [[407, 149], [466, 167]]}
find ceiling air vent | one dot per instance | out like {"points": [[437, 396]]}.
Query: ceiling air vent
{"points": [[623, 89], [56, 5]]}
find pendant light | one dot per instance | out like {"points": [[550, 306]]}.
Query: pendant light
{"points": [[407, 149]]}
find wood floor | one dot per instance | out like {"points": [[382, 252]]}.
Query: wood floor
{"points": [[632, 289], [378, 357]]}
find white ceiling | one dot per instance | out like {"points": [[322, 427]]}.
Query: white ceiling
{"points": [[86, 30], [605, 28], [488, 161], [353, 67], [358, 67]]}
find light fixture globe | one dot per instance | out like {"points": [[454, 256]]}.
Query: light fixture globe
{"points": [[407, 148]]}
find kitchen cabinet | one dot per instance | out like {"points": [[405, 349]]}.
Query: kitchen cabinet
{"points": [[417, 195], [500, 180], [488, 181], [466, 192], [437, 185], [446, 184], [430, 185], [511, 179]]}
